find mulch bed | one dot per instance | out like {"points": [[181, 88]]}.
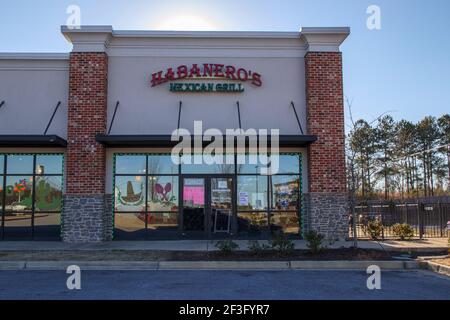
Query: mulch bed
{"points": [[97, 255]]}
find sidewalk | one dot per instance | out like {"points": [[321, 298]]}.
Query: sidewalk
{"points": [[171, 255], [426, 245]]}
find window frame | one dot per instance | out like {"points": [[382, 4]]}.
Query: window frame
{"points": [[32, 174], [269, 193], [270, 210], [145, 176]]}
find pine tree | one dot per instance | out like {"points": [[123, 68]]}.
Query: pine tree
{"points": [[444, 128], [385, 136]]}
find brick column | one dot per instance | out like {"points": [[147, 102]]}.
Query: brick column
{"points": [[85, 204], [327, 200]]}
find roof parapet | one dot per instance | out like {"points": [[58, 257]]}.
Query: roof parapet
{"points": [[97, 38], [324, 39], [88, 38]]}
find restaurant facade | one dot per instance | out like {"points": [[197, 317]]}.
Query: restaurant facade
{"points": [[89, 140]]}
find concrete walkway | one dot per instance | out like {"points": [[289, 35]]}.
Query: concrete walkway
{"points": [[429, 245]]}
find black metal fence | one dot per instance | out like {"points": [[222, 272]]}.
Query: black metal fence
{"points": [[429, 220]]}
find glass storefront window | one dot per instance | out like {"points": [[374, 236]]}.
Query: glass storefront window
{"points": [[252, 223], [260, 203], [162, 220], [131, 164], [25, 183], [47, 226], [48, 193], [252, 193], [162, 193], [129, 193], [161, 164], [20, 164], [252, 163], [155, 180], [17, 226], [289, 163], [198, 166], [285, 221], [207, 169], [1, 194], [2, 163], [49, 164], [129, 226], [285, 192], [19, 193]]}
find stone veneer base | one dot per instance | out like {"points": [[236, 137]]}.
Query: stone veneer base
{"points": [[327, 213], [87, 218]]}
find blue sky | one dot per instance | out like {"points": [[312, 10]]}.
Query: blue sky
{"points": [[403, 68]]}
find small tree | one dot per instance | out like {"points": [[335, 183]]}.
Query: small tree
{"points": [[375, 229], [281, 243], [403, 230], [314, 241], [227, 246]]}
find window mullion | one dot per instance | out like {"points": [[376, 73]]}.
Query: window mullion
{"points": [[4, 195], [33, 197]]}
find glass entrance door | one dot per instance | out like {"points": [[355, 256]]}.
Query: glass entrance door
{"points": [[208, 210], [221, 202], [194, 206]]}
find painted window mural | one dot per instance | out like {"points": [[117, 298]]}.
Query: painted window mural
{"points": [[31, 196], [147, 192], [145, 196]]}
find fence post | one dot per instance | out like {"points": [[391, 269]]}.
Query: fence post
{"points": [[441, 227], [419, 220], [406, 212], [382, 221]]}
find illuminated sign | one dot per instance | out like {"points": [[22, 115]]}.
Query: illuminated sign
{"points": [[208, 72]]}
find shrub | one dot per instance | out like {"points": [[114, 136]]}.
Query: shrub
{"points": [[403, 230], [227, 246], [281, 243], [314, 241], [374, 228], [255, 247], [448, 231]]}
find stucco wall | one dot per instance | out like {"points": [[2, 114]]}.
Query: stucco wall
{"points": [[31, 88], [154, 110]]}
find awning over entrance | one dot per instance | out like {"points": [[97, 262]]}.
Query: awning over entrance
{"points": [[165, 140], [32, 141]]}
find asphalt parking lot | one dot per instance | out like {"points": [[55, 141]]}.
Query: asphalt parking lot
{"points": [[217, 284]]}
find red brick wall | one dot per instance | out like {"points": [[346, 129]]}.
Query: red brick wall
{"points": [[85, 159], [325, 116]]}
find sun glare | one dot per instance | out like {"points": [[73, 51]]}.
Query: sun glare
{"points": [[188, 22]]}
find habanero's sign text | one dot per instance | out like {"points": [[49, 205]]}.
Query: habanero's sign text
{"points": [[206, 71]]}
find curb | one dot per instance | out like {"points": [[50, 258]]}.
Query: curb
{"points": [[414, 249], [438, 268], [12, 265], [224, 265], [212, 265], [355, 265], [92, 265]]}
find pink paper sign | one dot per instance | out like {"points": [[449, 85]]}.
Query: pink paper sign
{"points": [[196, 194]]}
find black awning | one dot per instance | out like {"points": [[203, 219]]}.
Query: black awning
{"points": [[165, 140], [26, 140]]}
